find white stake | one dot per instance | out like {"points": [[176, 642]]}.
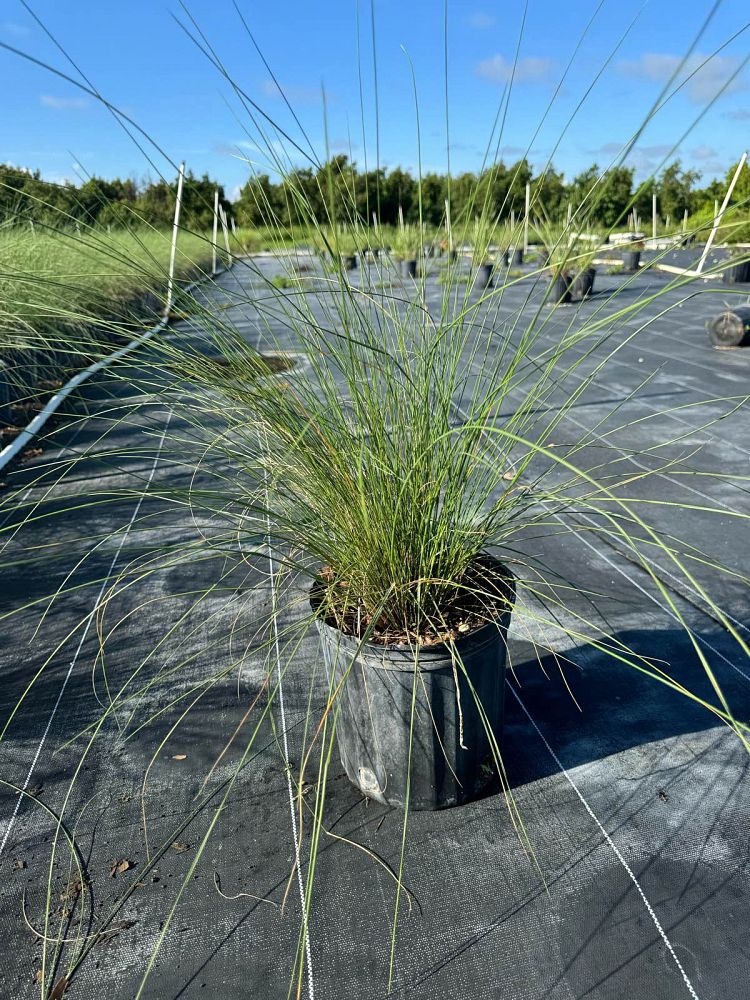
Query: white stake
{"points": [[570, 212], [719, 214], [173, 252], [448, 227], [400, 217], [716, 207], [31, 224], [653, 215], [526, 220], [224, 226], [215, 231], [684, 220], [234, 226], [512, 218]]}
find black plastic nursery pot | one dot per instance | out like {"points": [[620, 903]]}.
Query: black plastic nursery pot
{"points": [[560, 289], [451, 757], [731, 328], [631, 260], [409, 268], [517, 258], [583, 284], [736, 274], [485, 273], [348, 261]]}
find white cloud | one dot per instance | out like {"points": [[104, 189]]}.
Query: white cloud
{"points": [[713, 168], [480, 19], [55, 178], [644, 159], [341, 145], [608, 149], [294, 94], [62, 103], [703, 81], [704, 153], [11, 28], [532, 69], [232, 148]]}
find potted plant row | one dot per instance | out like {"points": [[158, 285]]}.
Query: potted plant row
{"points": [[407, 243], [569, 262]]}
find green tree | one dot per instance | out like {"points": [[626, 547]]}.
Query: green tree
{"points": [[674, 191]]}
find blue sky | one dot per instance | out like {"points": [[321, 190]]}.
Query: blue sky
{"points": [[139, 59]]}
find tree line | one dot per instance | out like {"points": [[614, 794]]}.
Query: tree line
{"points": [[389, 194], [500, 190], [26, 196]]}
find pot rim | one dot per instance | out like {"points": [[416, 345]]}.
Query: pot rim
{"points": [[439, 651]]}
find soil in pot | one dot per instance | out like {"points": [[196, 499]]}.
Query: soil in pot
{"points": [[450, 748]]}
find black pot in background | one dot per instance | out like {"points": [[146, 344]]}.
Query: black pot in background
{"points": [[631, 260], [484, 275], [408, 268], [736, 273], [373, 728], [517, 258], [348, 261], [731, 328], [560, 289], [583, 284], [453, 255]]}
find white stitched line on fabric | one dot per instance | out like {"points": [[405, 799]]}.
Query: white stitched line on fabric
{"points": [[591, 813], [651, 597], [612, 844], [58, 453], [282, 714], [73, 662]]}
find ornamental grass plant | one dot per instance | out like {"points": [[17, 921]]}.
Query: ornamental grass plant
{"points": [[417, 432]]}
